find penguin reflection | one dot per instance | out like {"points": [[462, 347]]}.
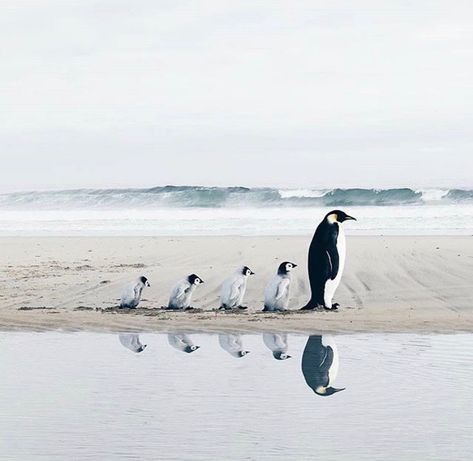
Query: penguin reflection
{"points": [[232, 344], [131, 341], [277, 344], [320, 364], [182, 343]]}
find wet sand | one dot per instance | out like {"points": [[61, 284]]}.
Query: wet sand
{"points": [[392, 284]]}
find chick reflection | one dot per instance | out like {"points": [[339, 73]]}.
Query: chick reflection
{"points": [[131, 341], [320, 364], [277, 344], [232, 344], [182, 343]]}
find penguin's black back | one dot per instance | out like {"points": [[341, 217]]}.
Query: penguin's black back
{"points": [[316, 362]]}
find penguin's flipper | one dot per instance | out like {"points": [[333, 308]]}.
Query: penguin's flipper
{"points": [[333, 259], [327, 360], [234, 293], [137, 292], [282, 287]]}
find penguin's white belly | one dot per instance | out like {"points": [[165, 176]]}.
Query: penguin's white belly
{"points": [[332, 285], [327, 340]]}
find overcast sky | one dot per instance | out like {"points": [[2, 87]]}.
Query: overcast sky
{"points": [[286, 93]]}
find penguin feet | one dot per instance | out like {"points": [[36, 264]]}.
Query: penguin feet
{"points": [[242, 307], [313, 307], [334, 307], [189, 308]]}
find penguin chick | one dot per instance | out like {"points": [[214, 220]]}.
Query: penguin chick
{"points": [[182, 343], [131, 295], [276, 295], [277, 344], [232, 344], [181, 293], [131, 341], [234, 288]]}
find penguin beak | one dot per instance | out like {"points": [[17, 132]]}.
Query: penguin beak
{"points": [[334, 390], [148, 284], [252, 273], [350, 218], [294, 265]]}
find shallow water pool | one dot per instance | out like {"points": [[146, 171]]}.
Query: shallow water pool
{"points": [[235, 397]]}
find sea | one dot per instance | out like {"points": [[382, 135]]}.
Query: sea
{"points": [[199, 210]]}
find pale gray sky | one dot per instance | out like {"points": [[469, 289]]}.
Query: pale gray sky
{"points": [[288, 93]]}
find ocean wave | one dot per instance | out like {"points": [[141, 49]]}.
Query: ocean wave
{"points": [[217, 197]]}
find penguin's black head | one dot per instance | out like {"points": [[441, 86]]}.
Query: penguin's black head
{"points": [[325, 391], [247, 271], [243, 353], [278, 355], [286, 267], [194, 279], [338, 216], [190, 349], [144, 281]]}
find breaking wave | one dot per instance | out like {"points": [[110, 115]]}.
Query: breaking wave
{"points": [[216, 197]]}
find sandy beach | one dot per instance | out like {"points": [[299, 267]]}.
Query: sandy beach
{"points": [[393, 284]]}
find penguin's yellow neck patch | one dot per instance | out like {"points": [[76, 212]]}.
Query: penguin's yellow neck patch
{"points": [[321, 390], [332, 218]]}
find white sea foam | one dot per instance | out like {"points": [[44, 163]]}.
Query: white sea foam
{"points": [[412, 219]]}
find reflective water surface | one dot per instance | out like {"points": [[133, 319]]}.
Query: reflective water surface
{"points": [[185, 396]]}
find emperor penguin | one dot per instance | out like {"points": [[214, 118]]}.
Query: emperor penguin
{"points": [[131, 341], [234, 288], [181, 293], [277, 344], [320, 364], [326, 260], [276, 295], [232, 344], [131, 295], [182, 342]]}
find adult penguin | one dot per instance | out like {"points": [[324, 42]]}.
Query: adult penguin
{"points": [[320, 364], [326, 260]]}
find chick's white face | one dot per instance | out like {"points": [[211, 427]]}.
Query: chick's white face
{"points": [[248, 272], [289, 267], [197, 281]]}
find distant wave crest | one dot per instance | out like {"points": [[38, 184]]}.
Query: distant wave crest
{"points": [[214, 197]]}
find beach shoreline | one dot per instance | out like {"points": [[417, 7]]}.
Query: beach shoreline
{"points": [[391, 284]]}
